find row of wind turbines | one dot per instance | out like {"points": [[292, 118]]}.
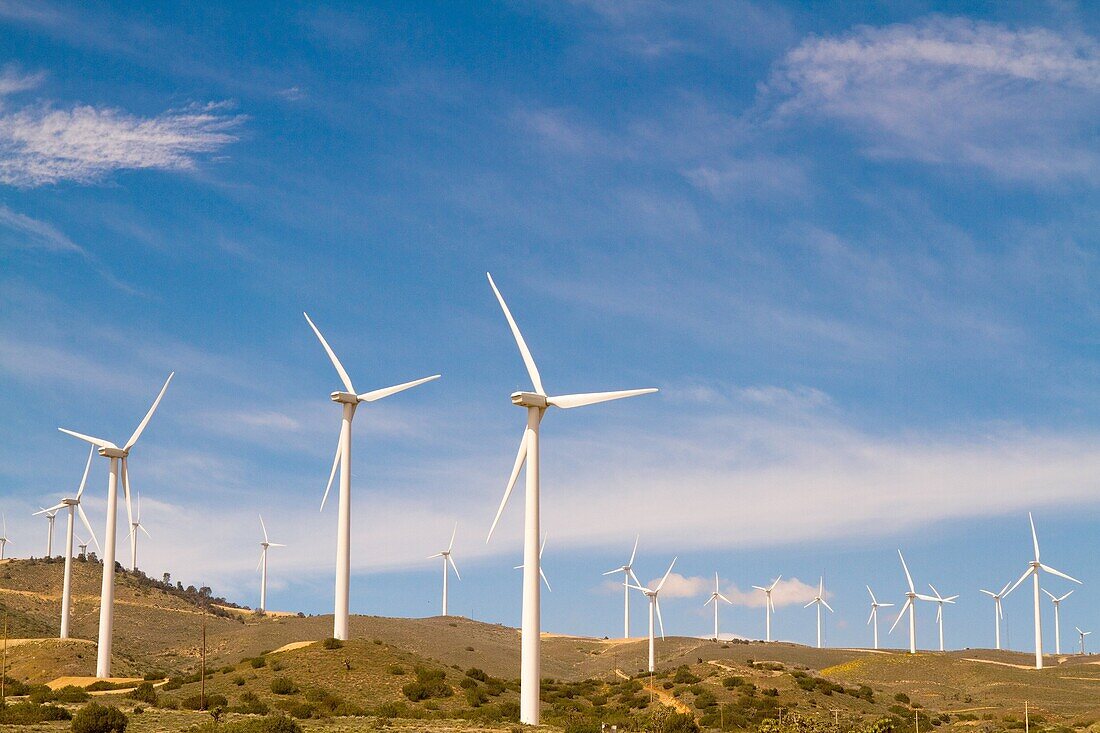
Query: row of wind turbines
{"points": [[535, 402]]}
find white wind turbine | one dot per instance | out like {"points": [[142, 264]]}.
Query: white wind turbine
{"points": [[116, 455], [84, 546], [875, 606], [628, 574], [1082, 634], [446, 555], [1033, 569], [1057, 601], [536, 404], [819, 601], [998, 613], [655, 605], [714, 598], [940, 600], [135, 526], [73, 505], [769, 607], [349, 400], [51, 515], [911, 598], [542, 575], [4, 539], [262, 564]]}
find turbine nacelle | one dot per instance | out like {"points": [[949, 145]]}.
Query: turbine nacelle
{"points": [[112, 452], [530, 399], [347, 398]]}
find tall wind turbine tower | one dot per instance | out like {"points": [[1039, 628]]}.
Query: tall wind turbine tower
{"points": [[262, 565], [628, 575], [1057, 601], [998, 613], [875, 606], [536, 403], [911, 598], [714, 598], [51, 515], [1033, 569], [655, 605], [118, 458], [769, 607], [447, 558], [349, 401], [940, 600], [819, 601], [73, 505]]}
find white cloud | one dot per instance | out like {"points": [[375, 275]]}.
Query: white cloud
{"points": [[41, 145], [680, 586], [788, 592], [13, 81], [1019, 103], [35, 234]]}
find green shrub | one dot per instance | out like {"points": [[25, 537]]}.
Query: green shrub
{"points": [[396, 669], [332, 643], [144, 693], [477, 674], [476, 697], [238, 681], [96, 718], [684, 676], [275, 723], [70, 693], [732, 681], [257, 662], [283, 686], [29, 713], [196, 702], [902, 698], [429, 684], [250, 704]]}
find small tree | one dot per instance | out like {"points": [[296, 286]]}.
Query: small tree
{"points": [[96, 718]]}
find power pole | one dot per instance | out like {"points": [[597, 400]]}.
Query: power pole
{"points": [[1027, 720], [4, 664], [202, 668]]}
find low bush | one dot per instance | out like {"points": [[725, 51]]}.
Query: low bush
{"points": [[429, 684], [396, 669], [96, 718], [332, 643], [684, 676], [197, 702], [271, 724], [477, 674], [257, 662], [144, 693], [29, 713], [283, 686], [250, 704]]}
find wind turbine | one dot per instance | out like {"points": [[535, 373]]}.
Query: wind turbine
{"points": [[875, 606], [262, 564], [541, 574], [51, 515], [911, 598], [655, 604], [84, 547], [940, 600], [998, 613], [1083, 634], [446, 555], [769, 607], [628, 573], [819, 601], [4, 540], [1033, 569], [714, 598], [1057, 601], [135, 525], [536, 403], [116, 455], [349, 400], [73, 505]]}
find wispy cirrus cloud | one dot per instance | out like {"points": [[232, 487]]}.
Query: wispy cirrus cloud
{"points": [[41, 144], [1017, 102], [34, 234]]}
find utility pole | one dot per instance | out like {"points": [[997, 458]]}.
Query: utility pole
{"points": [[202, 668], [4, 664], [1027, 720]]}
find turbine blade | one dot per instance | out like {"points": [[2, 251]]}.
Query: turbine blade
{"points": [[990, 593], [451, 546], [873, 601], [387, 391], [661, 621], [261, 560], [667, 572], [871, 617], [634, 552], [885, 605], [727, 600], [1034, 537], [1029, 571], [275, 544], [760, 589], [1005, 588], [569, 401], [810, 603], [100, 442], [901, 613], [51, 509], [126, 490], [1067, 595], [908, 577], [521, 456], [544, 580], [263, 527], [145, 421], [612, 572], [528, 360], [87, 466], [454, 567], [775, 583], [87, 524], [936, 592], [637, 587], [332, 356], [1060, 574], [1052, 596], [826, 604], [142, 528], [335, 464], [632, 575]]}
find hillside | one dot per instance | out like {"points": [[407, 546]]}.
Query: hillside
{"points": [[727, 685]]}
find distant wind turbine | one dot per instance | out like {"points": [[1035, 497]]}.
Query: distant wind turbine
{"points": [[83, 545], [51, 515], [628, 575], [446, 555], [998, 613], [1083, 634], [655, 605], [769, 607], [135, 526], [875, 606], [349, 400], [262, 564], [1033, 569], [1057, 601], [819, 601], [940, 600], [536, 404], [911, 598], [714, 598], [118, 458], [542, 548], [4, 539], [74, 507]]}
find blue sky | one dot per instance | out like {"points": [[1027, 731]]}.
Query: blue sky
{"points": [[854, 245]]}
